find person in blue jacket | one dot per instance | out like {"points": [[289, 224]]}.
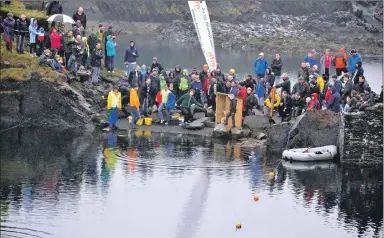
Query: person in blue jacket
{"points": [[260, 92], [170, 105], [32, 37], [311, 58], [260, 66], [355, 57], [111, 52], [334, 103]]}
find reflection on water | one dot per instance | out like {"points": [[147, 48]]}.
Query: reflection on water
{"points": [[157, 185]]}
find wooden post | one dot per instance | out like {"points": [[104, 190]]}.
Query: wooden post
{"points": [[223, 107]]}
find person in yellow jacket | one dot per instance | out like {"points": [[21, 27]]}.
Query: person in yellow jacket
{"points": [[134, 102], [272, 98], [320, 81], [114, 107]]}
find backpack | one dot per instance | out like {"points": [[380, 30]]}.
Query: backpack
{"points": [[183, 83]]}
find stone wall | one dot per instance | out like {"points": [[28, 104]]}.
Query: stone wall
{"points": [[363, 137]]}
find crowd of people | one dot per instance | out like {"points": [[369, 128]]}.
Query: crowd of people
{"points": [[153, 89]]}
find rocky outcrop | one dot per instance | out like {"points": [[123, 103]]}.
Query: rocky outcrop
{"points": [[54, 105], [313, 129], [363, 137]]}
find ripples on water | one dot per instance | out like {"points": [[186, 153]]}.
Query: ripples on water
{"points": [[140, 184]]}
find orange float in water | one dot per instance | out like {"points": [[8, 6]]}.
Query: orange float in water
{"points": [[256, 198], [238, 226]]}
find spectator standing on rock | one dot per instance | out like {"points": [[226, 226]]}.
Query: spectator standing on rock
{"points": [[55, 40], [8, 24], [260, 92], [353, 60], [219, 74], [111, 52], [270, 77], [87, 53], [32, 36], [334, 102], [311, 58], [260, 66], [80, 16], [134, 102], [347, 89], [68, 41], [251, 102], [286, 84], [326, 62], [156, 64], [54, 8], [78, 29], [96, 64], [114, 106], [359, 71], [155, 87], [340, 62], [135, 77], [100, 36], [109, 33], [21, 29], [92, 41], [277, 66], [303, 72], [145, 97], [131, 55]]}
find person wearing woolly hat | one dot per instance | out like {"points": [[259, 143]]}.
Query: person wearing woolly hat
{"points": [[156, 64]]}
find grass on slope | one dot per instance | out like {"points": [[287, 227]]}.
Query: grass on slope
{"points": [[17, 8]]}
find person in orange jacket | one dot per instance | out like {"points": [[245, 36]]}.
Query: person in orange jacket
{"points": [[340, 61], [135, 104]]}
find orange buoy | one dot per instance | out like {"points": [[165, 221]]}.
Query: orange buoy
{"points": [[271, 174], [238, 226], [256, 198]]}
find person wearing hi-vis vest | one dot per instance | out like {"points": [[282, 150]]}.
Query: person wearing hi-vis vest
{"points": [[114, 107]]}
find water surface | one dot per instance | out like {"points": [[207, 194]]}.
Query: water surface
{"points": [[140, 184]]}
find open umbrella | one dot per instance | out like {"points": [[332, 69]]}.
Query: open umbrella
{"points": [[61, 18]]}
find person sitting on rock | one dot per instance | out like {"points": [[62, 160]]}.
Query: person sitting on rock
{"points": [[313, 87], [186, 103], [46, 60], [298, 104], [351, 102], [334, 102], [314, 103], [368, 99], [301, 87], [347, 89], [251, 102], [285, 107], [114, 106], [363, 84], [272, 98]]}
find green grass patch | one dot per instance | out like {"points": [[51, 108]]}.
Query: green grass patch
{"points": [[17, 8], [117, 73], [47, 74]]}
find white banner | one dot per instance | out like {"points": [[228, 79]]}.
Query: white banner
{"points": [[200, 16]]}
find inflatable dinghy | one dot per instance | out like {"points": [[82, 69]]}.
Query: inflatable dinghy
{"points": [[305, 166], [311, 154]]}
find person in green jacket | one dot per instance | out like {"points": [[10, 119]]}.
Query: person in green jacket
{"points": [[69, 41], [187, 102]]}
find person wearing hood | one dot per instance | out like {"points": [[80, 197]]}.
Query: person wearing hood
{"points": [[21, 28], [8, 25], [219, 74], [80, 16], [277, 65], [32, 36], [268, 103], [186, 102], [311, 58], [314, 104], [359, 71], [54, 8], [111, 52], [131, 55], [303, 71], [197, 86], [301, 87], [114, 106], [92, 41], [334, 102], [369, 99], [96, 57], [251, 102], [260, 92], [362, 85], [337, 84], [286, 84], [353, 59], [270, 78], [109, 33], [340, 62], [176, 81], [77, 55], [184, 83], [320, 81], [326, 62], [260, 66], [156, 64]]}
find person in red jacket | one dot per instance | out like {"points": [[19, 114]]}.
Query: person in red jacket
{"points": [[243, 95], [328, 94], [314, 104], [55, 41]]}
